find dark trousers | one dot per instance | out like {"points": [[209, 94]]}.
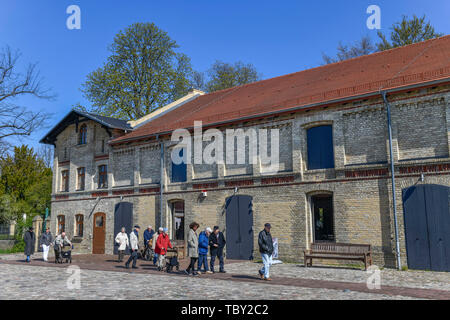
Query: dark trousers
{"points": [[192, 265], [133, 256], [121, 255], [219, 254]]}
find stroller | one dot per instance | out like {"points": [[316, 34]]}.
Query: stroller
{"points": [[63, 254], [172, 260], [147, 253]]}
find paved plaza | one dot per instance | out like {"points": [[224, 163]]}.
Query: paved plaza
{"points": [[101, 277]]}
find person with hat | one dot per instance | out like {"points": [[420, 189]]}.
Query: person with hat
{"points": [[154, 239], [266, 249], [203, 244], [162, 244], [134, 246], [217, 243], [30, 240]]}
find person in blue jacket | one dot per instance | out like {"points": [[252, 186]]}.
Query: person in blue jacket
{"points": [[203, 244], [148, 235]]}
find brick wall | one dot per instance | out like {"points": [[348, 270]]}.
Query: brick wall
{"points": [[359, 183]]}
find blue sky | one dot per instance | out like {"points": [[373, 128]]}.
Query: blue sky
{"points": [[278, 37]]}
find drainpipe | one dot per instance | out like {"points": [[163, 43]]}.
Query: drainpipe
{"points": [[394, 200], [161, 185]]}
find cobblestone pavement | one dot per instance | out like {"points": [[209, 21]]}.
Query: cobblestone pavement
{"points": [[391, 277], [104, 278], [35, 282]]}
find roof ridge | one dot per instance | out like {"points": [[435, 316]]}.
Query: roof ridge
{"points": [[101, 115], [415, 64], [334, 63]]}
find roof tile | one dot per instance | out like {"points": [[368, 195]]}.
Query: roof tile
{"points": [[414, 64]]}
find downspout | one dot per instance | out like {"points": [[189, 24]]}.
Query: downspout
{"points": [[161, 184], [394, 200]]}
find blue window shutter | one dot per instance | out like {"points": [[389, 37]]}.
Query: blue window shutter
{"points": [[179, 170], [320, 147]]}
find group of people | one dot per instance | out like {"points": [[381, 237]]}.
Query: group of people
{"points": [[198, 246], [197, 249], [159, 242], [46, 241]]}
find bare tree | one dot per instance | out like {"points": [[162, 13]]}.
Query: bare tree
{"points": [[344, 52], [45, 152], [17, 120]]}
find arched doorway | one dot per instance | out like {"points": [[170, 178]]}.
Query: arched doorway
{"points": [[177, 220], [99, 233], [322, 217]]}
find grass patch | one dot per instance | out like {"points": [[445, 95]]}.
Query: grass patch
{"points": [[6, 237], [9, 251], [19, 246]]}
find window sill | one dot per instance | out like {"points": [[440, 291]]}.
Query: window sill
{"points": [[319, 170], [77, 239]]}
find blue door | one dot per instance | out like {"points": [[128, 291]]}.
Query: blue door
{"points": [[123, 217], [427, 227], [239, 227]]}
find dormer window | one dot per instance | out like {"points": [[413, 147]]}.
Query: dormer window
{"points": [[82, 135]]}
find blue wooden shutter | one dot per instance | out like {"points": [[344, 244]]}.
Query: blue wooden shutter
{"points": [[320, 147], [179, 170]]}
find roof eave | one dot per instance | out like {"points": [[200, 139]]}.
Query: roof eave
{"points": [[299, 108]]}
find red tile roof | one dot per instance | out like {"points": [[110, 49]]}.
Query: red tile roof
{"points": [[418, 63]]}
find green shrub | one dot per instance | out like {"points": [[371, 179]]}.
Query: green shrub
{"points": [[19, 246], [6, 237]]}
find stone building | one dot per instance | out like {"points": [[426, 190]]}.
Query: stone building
{"points": [[334, 178]]}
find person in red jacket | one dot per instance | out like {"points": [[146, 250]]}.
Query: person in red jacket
{"points": [[162, 244]]}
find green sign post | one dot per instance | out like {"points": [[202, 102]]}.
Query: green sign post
{"points": [[45, 220]]}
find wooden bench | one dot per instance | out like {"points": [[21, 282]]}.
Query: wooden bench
{"points": [[339, 251]]}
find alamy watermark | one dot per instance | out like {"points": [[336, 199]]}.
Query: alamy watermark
{"points": [[234, 146], [373, 282], [74, 20], [74, 280], [374, 20]]}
